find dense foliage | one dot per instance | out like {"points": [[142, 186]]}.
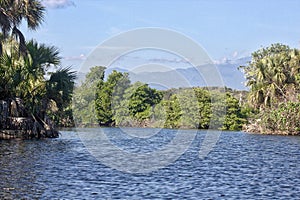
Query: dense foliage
{"points": [[84, 97], [109, 92], [203, 108], [29, 70], [273, 77], [118, 102]]}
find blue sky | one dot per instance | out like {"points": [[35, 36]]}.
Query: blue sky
{"points": [[228, 29]]}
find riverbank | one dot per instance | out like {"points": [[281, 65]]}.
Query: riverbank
{"points": [[17, 122], [256, 128], [22, 134]]}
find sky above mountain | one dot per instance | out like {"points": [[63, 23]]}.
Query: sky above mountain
{"points": [[228, 30]]}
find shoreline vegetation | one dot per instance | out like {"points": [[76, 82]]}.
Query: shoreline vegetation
{"points": [[137, 105], [271, 106], [36, 93], [118, 102], [273, 77]]}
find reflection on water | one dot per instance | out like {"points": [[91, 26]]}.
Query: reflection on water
{"points": [[240, 166]]}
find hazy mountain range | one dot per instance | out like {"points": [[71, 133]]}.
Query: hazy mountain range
{"points": [[187, 77]]}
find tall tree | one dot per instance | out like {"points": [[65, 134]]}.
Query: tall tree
{"points": [[35, 68], [173, 112], [108, 94], [13, 12], [26, 77], [143, 100], [84, 96], [272, 75], [59, 93]]}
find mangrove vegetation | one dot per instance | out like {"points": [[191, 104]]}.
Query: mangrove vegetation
{"points": [[115, 101]]}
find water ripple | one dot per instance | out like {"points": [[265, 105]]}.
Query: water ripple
{"points": [[240, 166]]}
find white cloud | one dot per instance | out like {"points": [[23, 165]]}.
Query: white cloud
{"points": [[72, 58], [234, 58], [168, 60], [221, 61], [58, 3], [243, 60]]}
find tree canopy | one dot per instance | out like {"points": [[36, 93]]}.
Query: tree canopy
{"points": [[85, 96], [118, 102], [273, 78]]}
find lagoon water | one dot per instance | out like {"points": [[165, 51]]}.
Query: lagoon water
{"points": [[240, 166]]}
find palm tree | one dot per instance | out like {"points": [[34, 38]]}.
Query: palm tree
{"points": [[25, 77], [42, 56], [13, 12], [60, 86], [10, 70], [59, 91], [273, 75], [35, 66]]}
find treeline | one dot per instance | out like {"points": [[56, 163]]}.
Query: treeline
{"points": [[270, 106], [31, 73], [118, 102]]}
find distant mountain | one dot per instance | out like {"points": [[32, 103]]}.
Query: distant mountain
{"points": [[189, 77], [182, 77], [232, 77]]}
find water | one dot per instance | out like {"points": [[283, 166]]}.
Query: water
{"points": [[240, 166]]}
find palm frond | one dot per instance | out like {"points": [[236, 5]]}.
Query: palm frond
{"points": [[43, 55], [19, 36], [34, 14]]}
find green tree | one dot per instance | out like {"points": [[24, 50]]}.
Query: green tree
{"points": [[35, 67], [272, 76], [235, 118], [204, 105], [189, 106], [26, 78], [108, 92], [58, 98], [142, 102], [85, 95], [173, 112]]}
